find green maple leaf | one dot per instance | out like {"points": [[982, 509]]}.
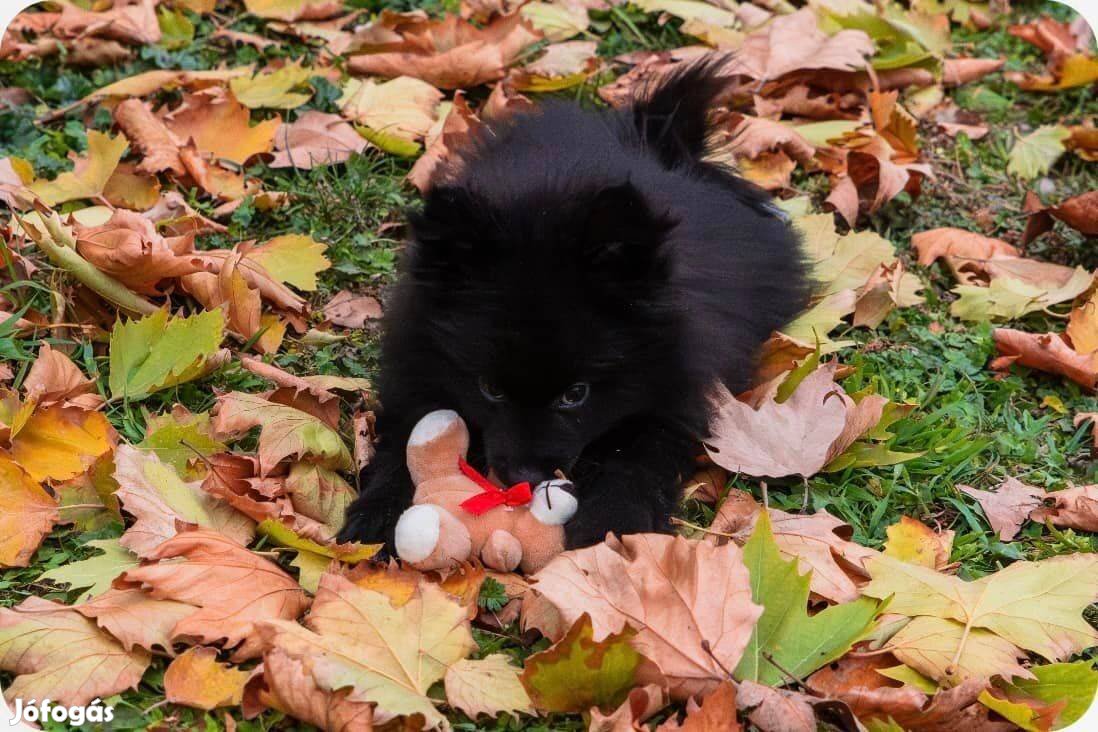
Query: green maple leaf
{"points": [[1033, 154], [786, 640], [159, 351], [95, 573]]}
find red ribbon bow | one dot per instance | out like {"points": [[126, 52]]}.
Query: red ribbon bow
{"points": [[492, 495]]}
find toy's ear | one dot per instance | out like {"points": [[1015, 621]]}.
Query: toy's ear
{"points": [[436, 443]]}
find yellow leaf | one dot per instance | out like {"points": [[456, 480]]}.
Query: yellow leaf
{"points": [[404, 108], [27, 514], [489, 686], [355, 638], [196, 679], [915, 542], [90, 172], [221, 126], [292, 258], [557, 21], [294, 9], [273, 90], [59, 443]]}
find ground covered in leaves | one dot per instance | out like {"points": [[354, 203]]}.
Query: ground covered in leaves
{"points": [[895, 527]]}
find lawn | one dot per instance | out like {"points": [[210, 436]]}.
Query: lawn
{"points": [[967, 424]]}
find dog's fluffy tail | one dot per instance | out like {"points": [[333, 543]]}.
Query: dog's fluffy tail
{"points": [[671, 114]]}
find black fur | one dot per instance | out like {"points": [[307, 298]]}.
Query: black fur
{"points": [[577, 246]]}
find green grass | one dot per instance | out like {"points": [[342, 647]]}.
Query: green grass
{"points": [[973, 427]]}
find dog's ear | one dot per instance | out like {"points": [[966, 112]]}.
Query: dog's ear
{"points": [[444, 235], [623, 234]]}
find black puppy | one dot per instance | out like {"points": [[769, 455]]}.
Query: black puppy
{"points": [[574, 289]]}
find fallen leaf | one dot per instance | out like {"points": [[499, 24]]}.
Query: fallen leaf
{"points": [[1008, 506], [180, 438], [159, 351], [90, 172], [220, 126], [1068, 685], [578, 673], [641, 704], [403, 108], [287, 684], [351, 311], [794, 43], [556, 21], [130, 22], [1045, 352], [159, 499], [273, 90], [294, 9], [1035, 153], [786, 643], [27, 515], [94, 574], [57, 654], [58, 443], [965, 252], [295, 259], [449, 53], [315, 139], [387, 655], [136, 619], [1010, 296], [562, 66], [1078, 69], [129, 189], [233, 589], [716, 713], [775, 710], [913, 541], [1073, 508], [196, 679], [487, 686], [691, 633], [976, 625], [819, 542], [957, 71]]}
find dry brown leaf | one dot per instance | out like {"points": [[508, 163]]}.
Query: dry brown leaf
{"points": [[159, 148], [776, 710], [750, 137], [1044, 352], [957, 71], [128, 21], [641, 703], [54, 379], [716, 713], [286, 683], [136, 619], [232, 588], [1074, 508], [1008, 505], [443, 142], [449, 53], [794, 43], [1053, 37], [819, 542], [352, 311], [315, 139], [57, 654], [690, 602], [965, 252], [196, 679]]}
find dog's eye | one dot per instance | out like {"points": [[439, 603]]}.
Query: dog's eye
{"points": [[491, 392], [574, 395]]}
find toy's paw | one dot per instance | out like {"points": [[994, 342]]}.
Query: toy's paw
{"points": [[502, 552], [429, 537], [554, 502]]}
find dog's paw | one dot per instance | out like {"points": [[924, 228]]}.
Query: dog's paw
{"points": [[368, 524]]}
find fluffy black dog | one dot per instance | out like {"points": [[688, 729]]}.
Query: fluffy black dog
{"points": [[574, 289]]}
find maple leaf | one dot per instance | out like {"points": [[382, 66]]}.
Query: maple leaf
{"points": [[179, 438], [219, 126], [294, 9], [640, 704], [315, 139], [819, 542], [160, 351], [794, 42], [136, 619], [786, 642], [53, 378], [1009, 297], [449, 53], [285, 431], [154, 493], [1068, 686], [976, 626], [655, 584], [1075, 508], [286, 683], [957, 71], [1034, 154], [27, 514], [233, 589], [388, 655], [295, 259], [717, 711], [965, 252], [194, 678], [487, 686], [58, 443], [913, 541], [578, 673], [273, 90], [401, 110], [159, 148], [1046, 352], [90, 172], [56, 653], [1008, 506], [94, 574], [562, 66], [351, 311]]}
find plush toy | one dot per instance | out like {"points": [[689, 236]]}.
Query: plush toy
{"points": [[458, 514]]}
